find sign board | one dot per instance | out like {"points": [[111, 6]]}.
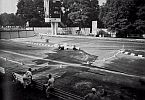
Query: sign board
{"points": [[2, 70], [52, 20], [52, 10], [94, 27]]}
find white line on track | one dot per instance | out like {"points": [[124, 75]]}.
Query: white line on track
{"points": [[17, 62]]}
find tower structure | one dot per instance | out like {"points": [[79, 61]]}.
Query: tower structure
{"points": [[52, 9]]}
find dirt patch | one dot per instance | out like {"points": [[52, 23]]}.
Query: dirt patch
{"points": [[41, 61], [72, 56]]}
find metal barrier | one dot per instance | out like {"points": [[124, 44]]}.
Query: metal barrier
{"points": [[11, 34]]}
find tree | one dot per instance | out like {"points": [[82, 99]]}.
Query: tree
{"points": [[123, 16], [4, 19], [81, 12], [32, 11], [38, 12], [25, 9], [140, 21], [10, 20], [76, 12]]}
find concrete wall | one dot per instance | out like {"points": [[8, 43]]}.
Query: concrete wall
{"points": [[22, 34], [16, 34], [69, 30], [42, 30], [47, 30], [85, 31], [13, 35], [5, 35], [29, 33]]}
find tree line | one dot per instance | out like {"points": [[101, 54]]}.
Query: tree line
{"points": [[75, 12], [11, 20], [124, 16], [121, 16]]}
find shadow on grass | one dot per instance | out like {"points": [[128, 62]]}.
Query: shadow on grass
{"points": [[41, 61], [129, 66], [108, 91]]}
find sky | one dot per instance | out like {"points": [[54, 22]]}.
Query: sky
{"points": [[9, 6]]}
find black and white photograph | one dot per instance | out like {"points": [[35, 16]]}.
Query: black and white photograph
{"points": [[72, 49]]}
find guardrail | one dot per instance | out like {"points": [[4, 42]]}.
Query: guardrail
{"points": [[11, 34]]}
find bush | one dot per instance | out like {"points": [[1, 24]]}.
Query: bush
{"points": [[103, 33]]}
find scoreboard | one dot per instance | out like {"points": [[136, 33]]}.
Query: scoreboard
{"points": [[52, 9]]}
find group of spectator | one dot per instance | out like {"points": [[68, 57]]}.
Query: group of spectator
{"points": [[62, 47], [27, 78]]}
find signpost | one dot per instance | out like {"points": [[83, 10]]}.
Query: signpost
{"points": [[52, 9], [94, 27]]}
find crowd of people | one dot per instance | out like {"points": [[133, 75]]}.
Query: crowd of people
{"points": [[27, 80], [49, 86]]}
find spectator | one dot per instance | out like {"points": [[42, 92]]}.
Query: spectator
{"points": [[27, 78], [74, 47], [92, 96], [50, 84]]}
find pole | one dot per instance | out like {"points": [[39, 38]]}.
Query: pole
{"points": [[54, 28]]}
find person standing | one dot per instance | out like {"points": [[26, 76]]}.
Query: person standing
{"points": [[27, 78], [50, 84]]}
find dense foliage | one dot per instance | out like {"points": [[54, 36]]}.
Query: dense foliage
{"points": [[124, 16], [80, 12], [31, 11], [75, 12], [10, 20]]}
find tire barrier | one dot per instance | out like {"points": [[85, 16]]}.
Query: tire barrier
{"points": [[11, 34], [65, 46], [39, 44], [134, 53]]}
